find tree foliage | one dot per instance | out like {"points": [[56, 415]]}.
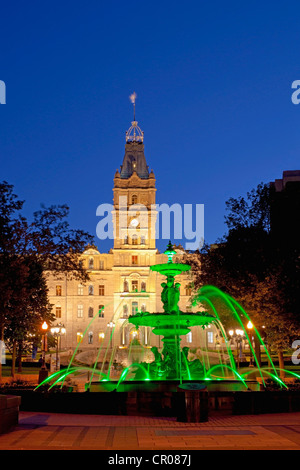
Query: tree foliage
{"points": [[27, 249], [250, 264]]}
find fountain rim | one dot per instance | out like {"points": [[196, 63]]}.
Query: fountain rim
{"points": [[170, 269]]}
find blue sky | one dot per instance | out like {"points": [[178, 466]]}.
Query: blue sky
{"points": [[213, 81]]}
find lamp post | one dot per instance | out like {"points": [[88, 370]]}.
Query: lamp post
{"points": [[58, 331], [43, 373], [111, 325], [238, 336], [249, 327]]}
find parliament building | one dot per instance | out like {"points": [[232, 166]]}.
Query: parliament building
{"points": [[121, 283]]}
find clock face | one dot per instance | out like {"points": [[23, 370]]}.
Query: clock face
{"points": [[134, 223]]}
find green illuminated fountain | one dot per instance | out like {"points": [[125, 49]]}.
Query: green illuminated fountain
{"points": [[172, 324], [173, 363]]}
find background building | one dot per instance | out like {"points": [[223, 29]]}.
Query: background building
{"points": [[121, 281]]}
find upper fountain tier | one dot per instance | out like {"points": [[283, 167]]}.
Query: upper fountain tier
{"points": [[170, 268]]}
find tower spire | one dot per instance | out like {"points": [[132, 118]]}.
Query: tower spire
{"points": [[132, 99], [134, 133]]}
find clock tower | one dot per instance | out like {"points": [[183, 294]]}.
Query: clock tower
{"points": [[134, 214], [134, 219]]}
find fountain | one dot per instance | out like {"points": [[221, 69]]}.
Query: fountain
{"points": [[172, 364]]}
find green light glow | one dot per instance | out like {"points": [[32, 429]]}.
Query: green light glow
{"points": [[171, 363], [126, 371], [234, 371], [214, 291]]}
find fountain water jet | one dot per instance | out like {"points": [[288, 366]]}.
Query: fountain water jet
{"points": [[172, 363]]}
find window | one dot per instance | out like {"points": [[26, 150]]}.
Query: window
{"points": [[143, 308], [79, 336], [80, 311], [126, 239], [91, 312], [143, 240], [126, 287], [58, 290], [58, 312], [91, 290], [101, 264], [101, 336], [210, 337], [134, 239], [91, 263], [188, 290], [134, 199], [134, 286], [134, 308], [143, 287], [101, 289], [134, 259], [125, 311], [80, 289], [90, 337], [101, 311]]}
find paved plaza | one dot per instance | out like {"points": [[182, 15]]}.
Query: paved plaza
{"points": [[51, 431]]}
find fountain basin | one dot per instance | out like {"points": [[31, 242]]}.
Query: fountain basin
{"points": [[172, 386], [171, 323]]}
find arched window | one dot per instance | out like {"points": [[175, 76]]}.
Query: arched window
{"points": [[134, 199], [90, 337], [143, 287], [134, 239], [91, 263], [91, 290], [91, 312], [126, 286]]}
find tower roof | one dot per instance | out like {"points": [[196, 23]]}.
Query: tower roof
{"points": [[134, 158]]}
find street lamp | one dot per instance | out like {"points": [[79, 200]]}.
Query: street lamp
{"points": [[43, 373], [111, 325], [58, 331], [249, 327], [238, 336]]}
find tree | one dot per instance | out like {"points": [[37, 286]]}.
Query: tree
{"points": [[27, 249], [248, 264]]}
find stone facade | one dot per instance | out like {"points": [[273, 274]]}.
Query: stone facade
{"points": [[121, 281]]}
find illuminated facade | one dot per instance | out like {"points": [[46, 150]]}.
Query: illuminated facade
{"points": [[121, 281]]}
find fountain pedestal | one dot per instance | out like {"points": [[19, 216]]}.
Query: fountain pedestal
{"points": [[171, 363]]}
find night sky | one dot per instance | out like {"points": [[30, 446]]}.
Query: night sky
{"points": [[213, 83]]}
